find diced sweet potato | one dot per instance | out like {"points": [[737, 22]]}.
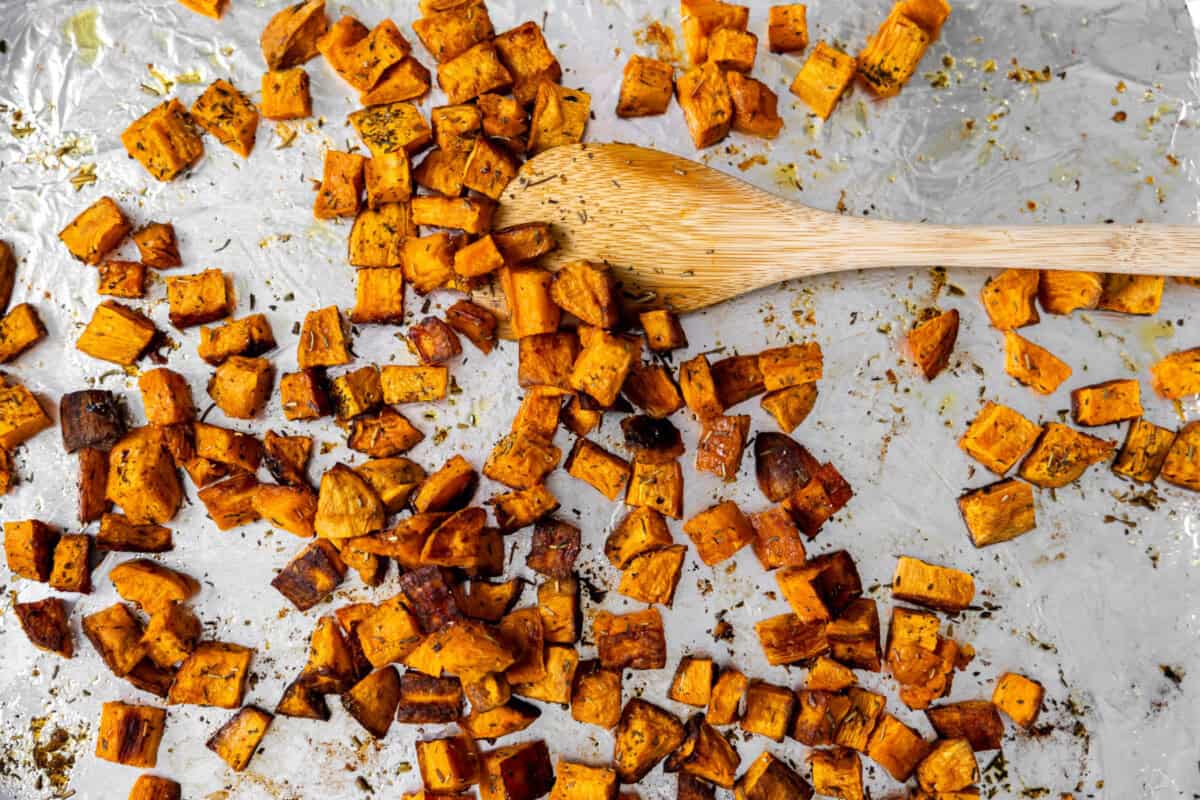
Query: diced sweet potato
{"points": [[727, 693], [738, 378], [21, 416], [434, 341], [45, 625], [932, 342], [392, 127], [641, 531], [942, 588], [755, 107], [71, 570], [999, 437], [1008, 299], [130, 734], [787, 28], [373, 700], [157, 245], [521, 461], [558, 604], [824, 78], [777, 541], [237, 740], [827, 675], [525, 242], [151, 586], [854, 636], [651, 577], [768, 778], [705, 754], [657, 485], [230, 502], [448, 33], [722, 442], [580, 782], [949, 767], [896, 747], [1182, 464], [1064, 291], [650, 388], [1034, 366], [473, 72], [630, 641], [929, 14], [516, 772], [532, 310], [164, 140], [707, 105], [560, 117], [977, 721], [428, 701], [248, 336], [646, 87], [142, 478], [489, 169], [555, 684], [1106, 403], [96, 231], [693, 681], [999, 512], [93, 484], [732, 50], [515, 510], [529, 59], [469, 214], [447, 765], [1177, 375], [701, 18], [228, 115], [1018, 697], [341, 185], [645, 735], [602, 366], [171, 635], [892, 54], [117, 636], [117, 333], [90, 418], [22, 328], [719, 532], [311, 576], [474, 322], [546, 359], [213, 675], [241, 386], [166, 397], [153, 787], [1062, 455], [600, 469], [378, 235], [768, 710], [786, 639], [290, 37]]}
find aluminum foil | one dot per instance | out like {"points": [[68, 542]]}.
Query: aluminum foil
{"points": [[1040, 112]]}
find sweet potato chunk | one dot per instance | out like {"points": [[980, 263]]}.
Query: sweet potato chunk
{"points": [[755, 107], [469, 214], [999, 437], [1008, 299], [581, 782], [164, 140], [151, 586], [130, 734], [999, 512], [529, 59], [515, 510], [1064, 291], [153, 787], [768, 778], [650, 388], [827, 675], [932, 342], [602, 366], [117, 636], [93, 484], [1178, 374], [392, 127], [693, 681], [976, 721], [21, 416], [213, 675], [290, 37], [942, 588], [701, 18], [516, 772], [166, 397], [732, 50], [556, 682], [228, 115], [738, 378], [722, 442], [1034, 366], [707, 105], [474, 322], [453, 28], [45, 625], [434, 341], [157, 245], [600, 469], [892, 54], [531, 307], [929, 14], [727, 693], [656, 485], [651, 577], [630, 641], [1062, 455], [560, 117], [171, 635], [1106, 403], [546, 359], [117, 333], [248, 336], [378, 235], [142, 478], [645, 735], [373, 700], [241, 386], [641, 531], [1182, 464], [768, 710], [489, 169], [71, 570], [777, 541], [1018, 697], [787, 28], [447, 765], [824, 78], [896, 747], [521, 461], [21, 328], [428, 701], [230, 502], [786, 639], [475, 71], [237, 740], [311, 576], [96, 231], [646, 87], [91, 419], [705, 754], [341, 185], [719, 532], [949, 767], [588, 291]]}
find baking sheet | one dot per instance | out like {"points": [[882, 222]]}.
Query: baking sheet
{"points": [[1098, 604]]}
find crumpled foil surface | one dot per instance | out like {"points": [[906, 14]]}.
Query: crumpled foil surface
{"points": [[1013, 117]]}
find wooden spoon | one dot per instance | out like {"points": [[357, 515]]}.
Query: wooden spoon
{"points": [[686, 236]]}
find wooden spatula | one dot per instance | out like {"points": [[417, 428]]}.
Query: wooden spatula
{"points": [[688, 236]]}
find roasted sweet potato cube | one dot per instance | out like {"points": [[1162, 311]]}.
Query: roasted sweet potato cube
{"points": [[836, 579], [602, 366], [521, 461], [651, 577], [389, 633], [474, 322], [341, 185], [768, 778], [999, 437], [896, 747], [588, 291], [473, 72], [388, 179], [429, 598], [701, 18], [796, 585], [515, 510], [117, 279], [241, 386], [824, 78], [1106, 403], [1062, 455], [96, 231], [130, 734], [248, 336], [1034, 366], [854, 635], [777, 541], [689, 787], [151, 586], [558, 678], [487, 692], [463, 647], [516, 772], [333, 663], [312, 575], [596, 696], [558, 604], [441, 171], [230, 503], [787, 28], [373, 700], [90, 418], [434, 341], [117, 333], [93, 484], [976, 721], [1182, 464], [164, 140], [928, 585], [153, 787], [646, 87], [641, 531], [532, 310], [1177, 375], [489, 169], [856, 726], [449, 764], [21, 416], [21, 328], [998, 512], [1018, 697], [737, 379], [461, 541], [539, 411], [650, 388], [291, 508], [117, 636], [819, 713], [768, 710], [429, 261], [949, 767], [930, 15], [142, 478], [237, 740], [699, 389], [469, 214], [391, 127], [653, 441], [524, 633], [525, 242], [383, 435], [645, 735], [323, 341], [347, 506], [286, 457], [357, 392], [428, 701], [931, 343], [630, 641], [600, 469], [755, 107], [725, 701], [505, 118], [450, 31], [226, 446], [656, 485], [733, 50], [791, 365], [228, 115], [529, 60], [171, 635], [45, 625], [336, 44], [157, 245], [705, 754], [512, 717], [719, 532], [554, 547], [1008, 298], [478, 258], [1065, 291], [546, 359], [786, 639], [290, 37], [71, 570], [580, 782], [213, 675], [414, 384], [707, 105], [166, 397], [581, 415], [560, 117], [372, 56], [722, 442], [447, 489], [827, 675], [892, 54]]}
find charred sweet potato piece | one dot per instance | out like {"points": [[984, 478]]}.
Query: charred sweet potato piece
{"points": [[650, 388], [248, 336], [71, 570], [705, 754], [941, 588], [722, 442], [977, 721], [237, 740], [311, 576], [707, 105], [1106, 403], [429, 598], [725, 701], [824, 78], [230, 503], [130, 734], [117, 636], [1064, 291], [117, 333], [142, 478], [213, 675], [449, 764], [786, 639], [854, 635], [949, 767], [474, 322], [558, 604], [21, 328], [560, 117], [896, 747], [768, 710], [373, 700], [630, 641], [1018, 697], [1182, 464], [1009, 298], [45, 625], [737, 379], [290, 37], [428, 701], [998, 512], [777, 542], [646, 87], [651, 577], [1034, 366], [999, 437], [645, 735], [286, 457], [516, 772], [1062, 455], [434, 341], [719, 532], [90, 418], [836, 579], [1177, 375], [554, 548], [931, 343], [96, 231], [600, 469]]}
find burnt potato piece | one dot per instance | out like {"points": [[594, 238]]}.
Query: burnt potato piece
{"points": [[782, 465], [45, 623], [652, 437], [90, 418], [429, 598], [554, 548]]}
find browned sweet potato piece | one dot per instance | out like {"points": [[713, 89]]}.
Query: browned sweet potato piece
{"points": [[166, 397], [157, 245], [45, 625], [722, 442], [341, 186], [786, 639], [719, 532], [755, 106], [165, 140], [198, 299], [517, 771], [896, 747], [130, 734], [230, 503], [21, 328], [237, 740], [1178, 374], [768, 710], [347, 505], [529, 59], [117, 333], [777, 542], [312, 575], [705, 753], [71, 570], [373, 700], [977, 721], [891, 55], [142, 478], [999, 437], [737, 379], [228, 115], [693, 681], [1034, 366], [462, 540], [241, 386], [90, 418], [645, 735], [1106, 403], [707, 105], [787, 28], [931, 342], [171, 635], [96, 231], [560, 116], [588, 291], [1018, 697], [1009, 298], [1064, 291], [949, 767], [646, 87], [248, 336], [941, 588], [998, 512], [823, 79], [521, 461], [151, 586], [93, 484], [600, 469], [1062, 455], [153, 787], [449, 764], [546, 359], [213, 675], [290, 37], [630, 641], [1182, 464], [117, 636], [515, 510], [21, 415]]}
